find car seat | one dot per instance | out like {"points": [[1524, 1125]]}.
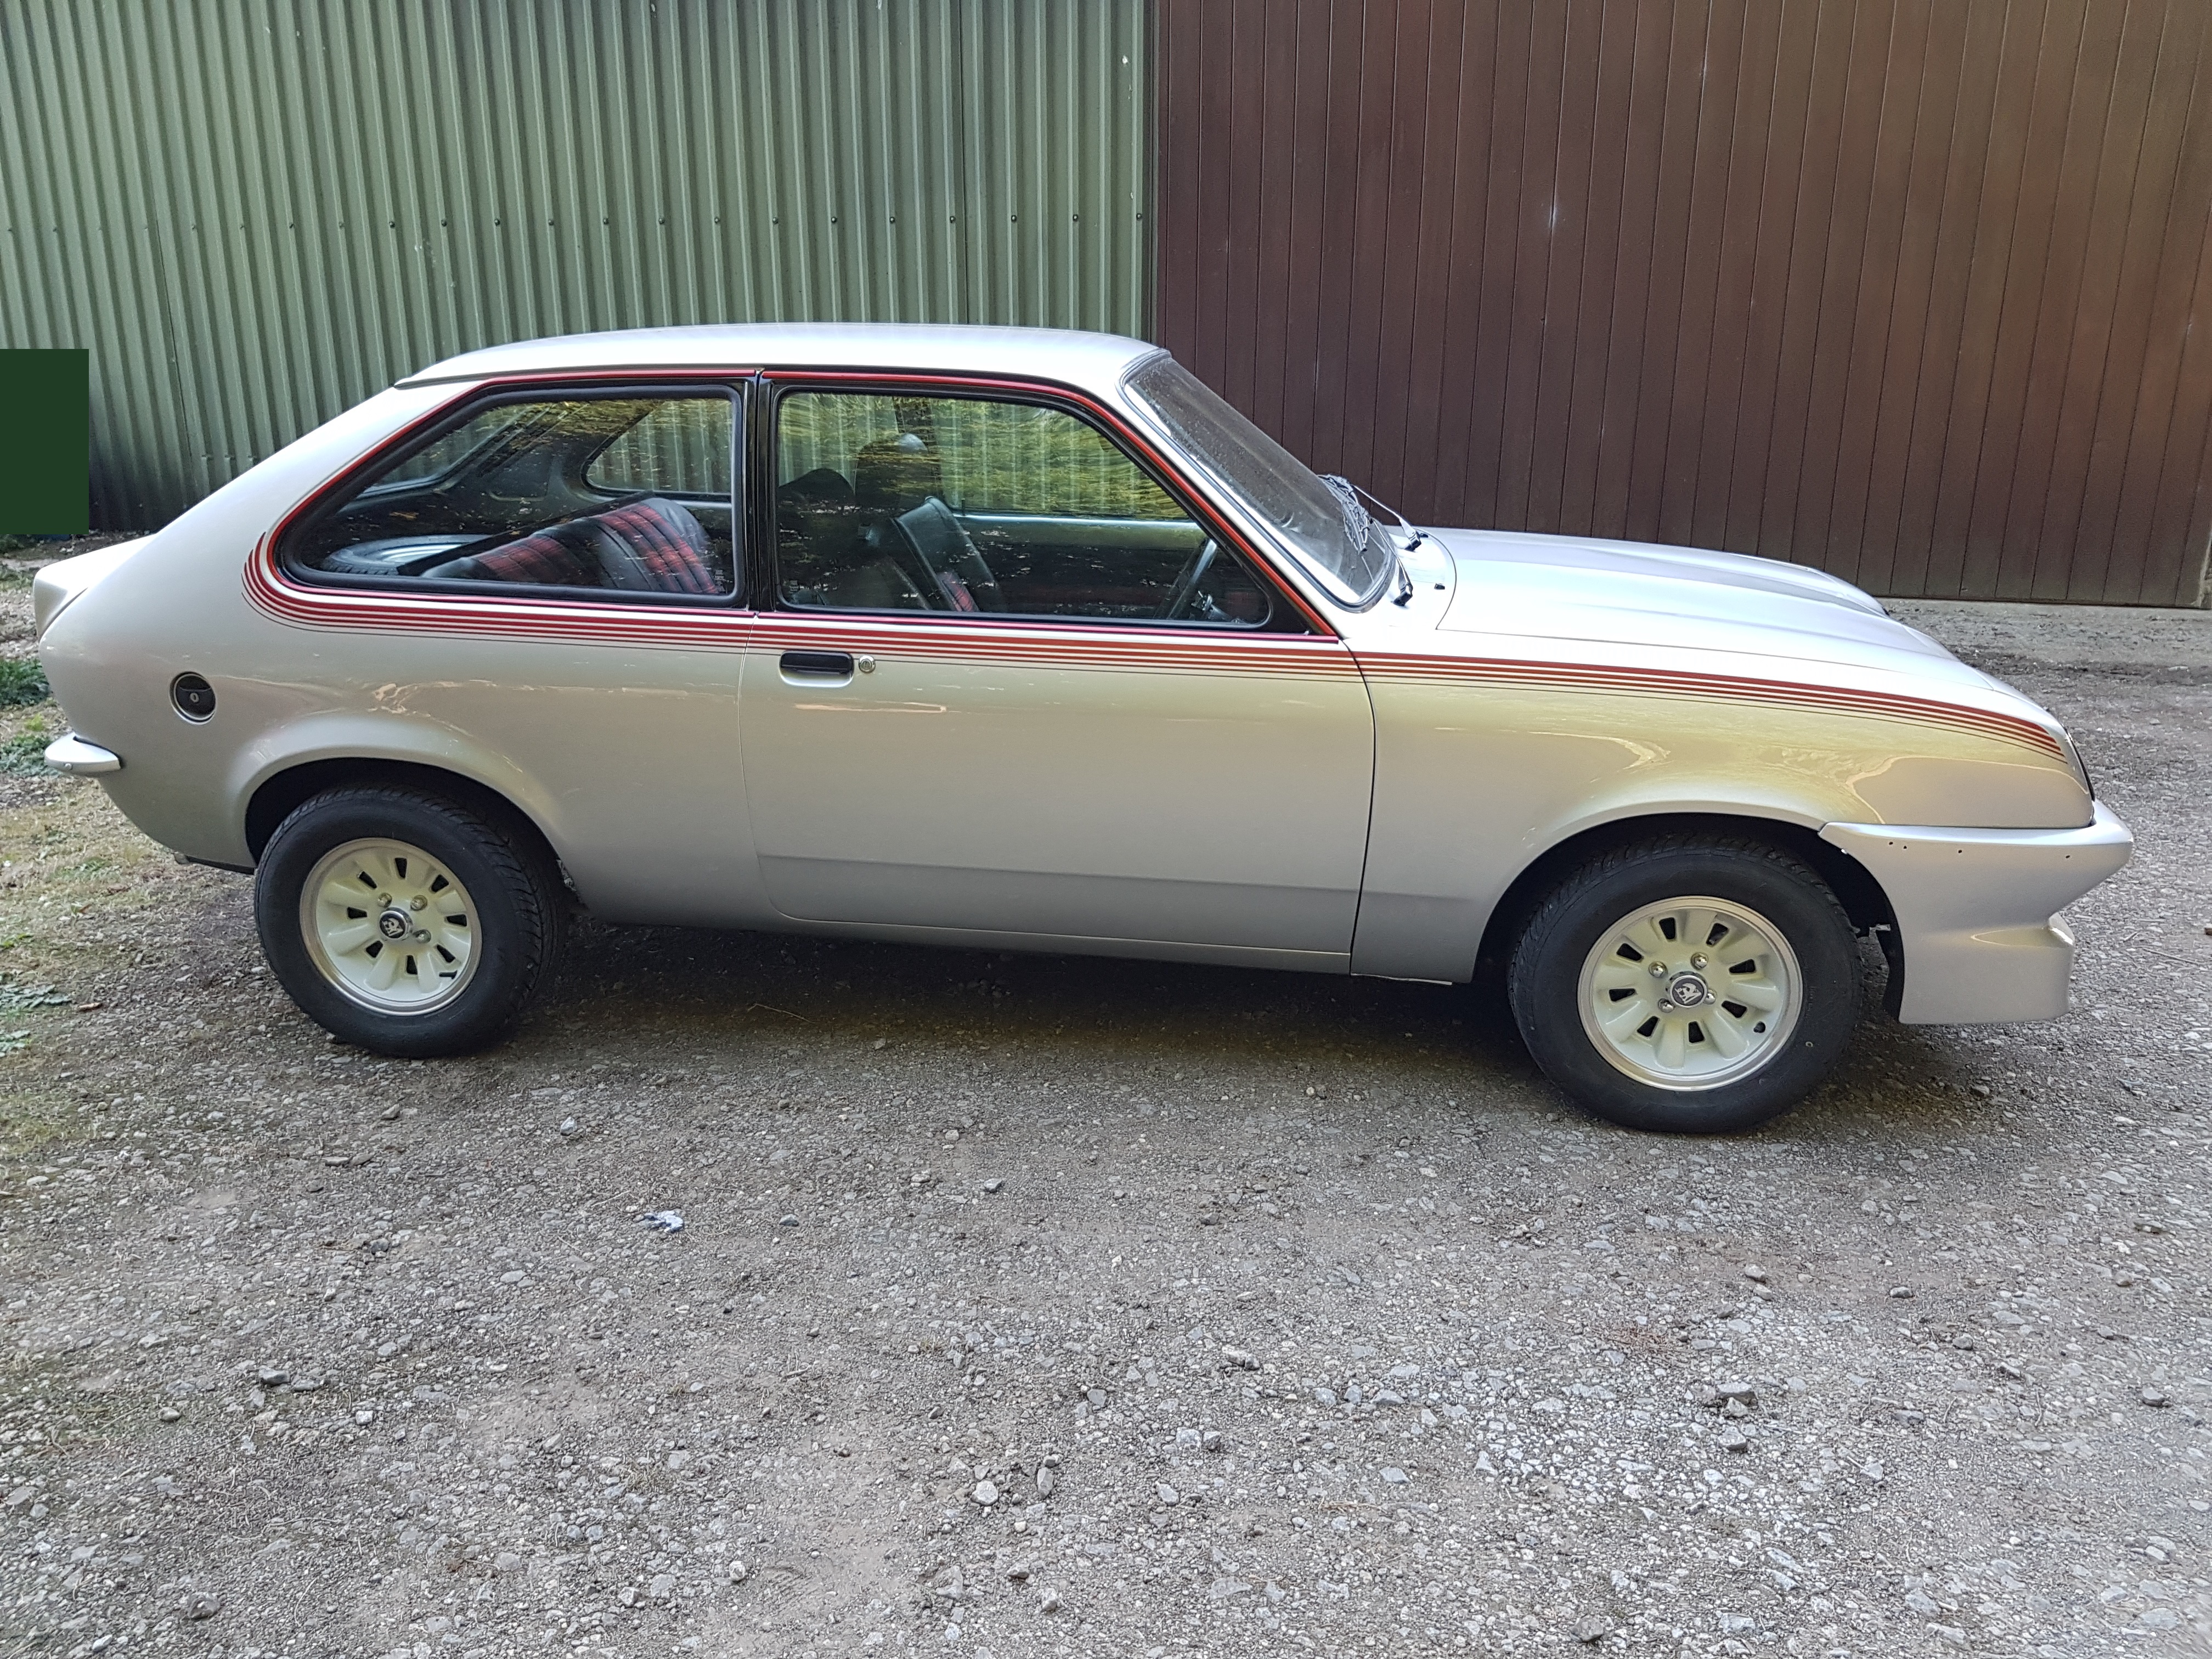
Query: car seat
{"points": [[651, 546]]}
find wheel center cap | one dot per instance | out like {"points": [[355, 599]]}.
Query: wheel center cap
{"points": [[1686, 991], [393, 924]]}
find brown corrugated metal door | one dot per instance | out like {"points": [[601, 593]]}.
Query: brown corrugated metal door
{"points": [[1907, 290]]}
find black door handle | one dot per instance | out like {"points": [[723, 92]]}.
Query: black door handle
{"points": [[824, 664]]}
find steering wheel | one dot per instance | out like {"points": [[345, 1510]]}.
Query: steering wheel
{"points": [[1186, 585], [941, 542]]}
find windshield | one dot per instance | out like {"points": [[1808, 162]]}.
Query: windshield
{"points": [[1348, 552]]}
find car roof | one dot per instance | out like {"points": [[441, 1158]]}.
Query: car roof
{"points": [[1095, 363]]}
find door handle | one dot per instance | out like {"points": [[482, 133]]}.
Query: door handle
{"points": [[818, 664]]}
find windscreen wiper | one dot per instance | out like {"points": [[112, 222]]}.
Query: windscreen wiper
{"points": [[1361, 510], [1347, 503]]}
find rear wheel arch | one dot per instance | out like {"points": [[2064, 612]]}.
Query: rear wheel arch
{"points": [[1853, 884], [279, 795]]}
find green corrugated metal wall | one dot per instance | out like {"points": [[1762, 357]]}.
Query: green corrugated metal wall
{"points": [[258, 212]]}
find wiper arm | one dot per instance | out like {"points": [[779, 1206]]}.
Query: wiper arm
{"points": [[1378, 510]]}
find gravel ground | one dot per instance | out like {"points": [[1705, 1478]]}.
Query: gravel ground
{"points": [[1027, 1305]]}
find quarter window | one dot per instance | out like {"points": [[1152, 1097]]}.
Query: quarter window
{"points": [[971, 504], [626, 493]]}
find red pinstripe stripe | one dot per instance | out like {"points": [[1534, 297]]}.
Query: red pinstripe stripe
{"points": [[685, 627], [1138, 650], [1134, 649], [1656, 682]]}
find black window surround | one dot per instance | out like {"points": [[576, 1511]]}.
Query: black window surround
{"points": [[1286, 613], [351, 485]]}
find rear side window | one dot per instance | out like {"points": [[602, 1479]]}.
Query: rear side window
{"points": [[620, 493]]}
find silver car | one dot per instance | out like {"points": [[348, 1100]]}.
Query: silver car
{"points": [[1026, 640]]}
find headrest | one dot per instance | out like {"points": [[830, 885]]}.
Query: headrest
{"points": [[825, 486], [896, 473]]}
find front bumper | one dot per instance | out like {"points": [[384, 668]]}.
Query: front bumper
{"points": [[1976, 912]]}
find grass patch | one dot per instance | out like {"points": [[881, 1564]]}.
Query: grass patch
{"points": [[24, 754], [22, 682]]}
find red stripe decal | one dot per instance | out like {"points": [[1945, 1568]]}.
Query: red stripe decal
{"points": [[985, 643], [1667, 683]]}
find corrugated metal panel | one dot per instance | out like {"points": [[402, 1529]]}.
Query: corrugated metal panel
{"points": [[1911, 289], [256, 212]]}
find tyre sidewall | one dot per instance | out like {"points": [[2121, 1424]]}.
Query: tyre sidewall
{"points": [[1546, 985], [509, 938]]}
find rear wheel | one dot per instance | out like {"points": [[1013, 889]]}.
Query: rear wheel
{"points": [[405, 923], [1688, 985]]}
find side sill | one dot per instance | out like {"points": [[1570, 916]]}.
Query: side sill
{"points": [[215, 864]]}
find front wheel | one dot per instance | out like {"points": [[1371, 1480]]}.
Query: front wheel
{"points": [[1687, 984], [403, 923]]}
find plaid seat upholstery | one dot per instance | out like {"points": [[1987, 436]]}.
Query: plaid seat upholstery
{"points": [[560, 556], [660, 548], [650, 546]]}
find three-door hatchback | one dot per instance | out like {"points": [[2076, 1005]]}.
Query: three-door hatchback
{"points": [[1026, 640]]}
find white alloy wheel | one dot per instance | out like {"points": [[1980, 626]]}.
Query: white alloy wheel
{"points": [[1690, 992], [389, 926]]}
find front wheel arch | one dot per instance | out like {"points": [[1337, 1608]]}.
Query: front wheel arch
{"points": [[1853, 884]]}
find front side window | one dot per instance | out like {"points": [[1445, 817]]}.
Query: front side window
{"points": [[623, 493], [887, 502]]}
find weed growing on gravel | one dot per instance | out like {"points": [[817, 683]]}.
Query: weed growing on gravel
{"points": [[24, 754], [15, 998], [22, 682]]}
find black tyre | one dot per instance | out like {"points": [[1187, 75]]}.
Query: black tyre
{"points": [[406, 924], [1690, 985]]}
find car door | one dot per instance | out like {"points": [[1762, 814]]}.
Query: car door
{"points": [[1013, 684]]}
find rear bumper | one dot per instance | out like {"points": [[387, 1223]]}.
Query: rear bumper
{"points": [[1978, 911], [87, 760]]}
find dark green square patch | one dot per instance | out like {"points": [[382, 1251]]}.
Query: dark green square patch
{"points": [[45, 442]]}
